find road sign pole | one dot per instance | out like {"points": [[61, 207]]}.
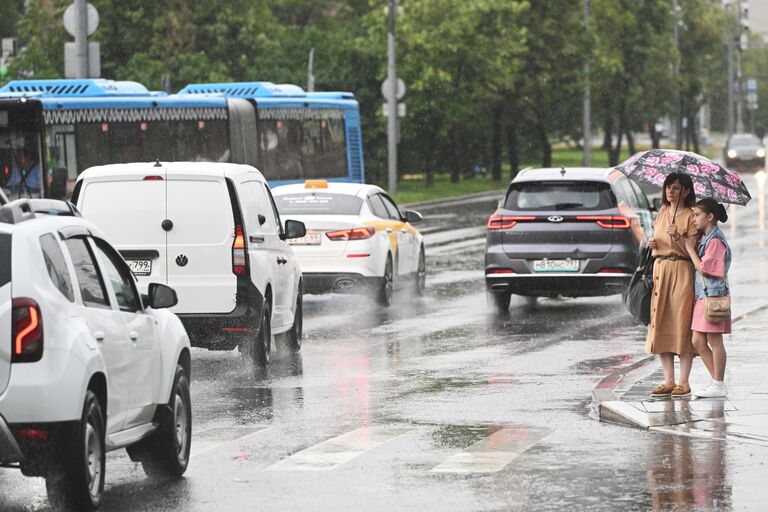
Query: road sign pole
{"points": [[587, 113], [81, 37], [392, 99]]}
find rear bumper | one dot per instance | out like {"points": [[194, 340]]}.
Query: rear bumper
{"points": [[743, 163], [224, 331], [322, 282], [9, 448], [551, 285]]}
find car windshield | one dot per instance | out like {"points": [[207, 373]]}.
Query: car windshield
{"points": [[318, 203], [745, 142], [5, 259], [560, 195]]}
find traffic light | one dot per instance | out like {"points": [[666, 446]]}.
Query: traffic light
{"points": [[743, 25]]}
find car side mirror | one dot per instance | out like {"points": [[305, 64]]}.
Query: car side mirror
{"points": [[412, 216], [59, 183], [656, 204], [294, 229], [161, 296]]}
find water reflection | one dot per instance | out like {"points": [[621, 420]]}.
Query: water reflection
{"points": [[686, 473]]}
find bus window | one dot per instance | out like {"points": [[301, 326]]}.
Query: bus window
{"points": [[125, 142], [21, 159], [92, 145]]}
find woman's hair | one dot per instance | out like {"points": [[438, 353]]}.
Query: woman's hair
{"points": [[685, 182], [709, 205]]}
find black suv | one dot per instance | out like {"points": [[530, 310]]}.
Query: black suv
{"points": [[566, 232]]}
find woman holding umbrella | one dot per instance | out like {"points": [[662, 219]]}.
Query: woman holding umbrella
{"points": [[682, 176], [669, 332]]}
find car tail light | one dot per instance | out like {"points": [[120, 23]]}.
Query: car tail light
{"points": [[613, 271], [496, 222], [351, 234], [33, 434], [607, 221], [239, 255], [501, 271], [153, 178], [27, 331]]}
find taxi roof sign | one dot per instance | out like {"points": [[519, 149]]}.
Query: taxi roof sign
{"points": [[316, 184]]}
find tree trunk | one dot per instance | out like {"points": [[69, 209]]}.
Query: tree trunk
{"points": [[631, 142], [457, 161], [429, 158], [615, 153], [513, 152], [608, 136], [546, 147], [655, 136], [693, 134], [497, 146]]}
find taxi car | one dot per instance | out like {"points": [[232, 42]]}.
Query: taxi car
{"points": [[357, 239]]}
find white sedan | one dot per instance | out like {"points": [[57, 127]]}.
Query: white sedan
{"points": [[357, 239]]}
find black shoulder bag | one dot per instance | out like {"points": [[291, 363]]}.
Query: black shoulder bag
{"points": [[638, 295]]}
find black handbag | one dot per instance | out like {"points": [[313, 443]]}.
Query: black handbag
{"points": [[640, 290]]}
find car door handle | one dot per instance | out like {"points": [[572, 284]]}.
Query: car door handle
{"points": [[133, 335], [99, 336], [256, 239]]}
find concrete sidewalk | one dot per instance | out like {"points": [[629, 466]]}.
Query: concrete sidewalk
{"points": [[624, 396]]}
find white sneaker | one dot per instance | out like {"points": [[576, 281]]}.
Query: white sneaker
{"points": [[713, 391]]}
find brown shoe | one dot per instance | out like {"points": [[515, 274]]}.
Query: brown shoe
{"points": [[681, 392], [662, 391]]}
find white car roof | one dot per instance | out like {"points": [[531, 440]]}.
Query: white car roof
{"points": [[570, 174], [45, 223], [351, 189], [224, 169]]}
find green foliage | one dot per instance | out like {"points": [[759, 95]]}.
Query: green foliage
{"points": [[484, 77]]}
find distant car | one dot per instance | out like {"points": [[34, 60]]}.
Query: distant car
{"points": [[212, 232], [357, 239], [744, 151], [565, 232], [87, 363]]}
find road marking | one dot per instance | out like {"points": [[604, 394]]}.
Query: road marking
{"points": [[494, 452], [339, 450], [217, 437]]}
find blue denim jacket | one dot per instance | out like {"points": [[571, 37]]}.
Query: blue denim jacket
{"points": [[715, 285]]}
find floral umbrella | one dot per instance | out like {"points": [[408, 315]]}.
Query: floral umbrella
{"points": [[710, 179]]}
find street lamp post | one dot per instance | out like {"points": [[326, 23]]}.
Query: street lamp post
{"points": [[587, 119], [392, 98]]}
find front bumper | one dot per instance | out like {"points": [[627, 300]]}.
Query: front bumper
{"points": [[326, 282], [9, 448]]}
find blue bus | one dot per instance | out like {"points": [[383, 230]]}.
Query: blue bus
{"points": [[288, 134]]}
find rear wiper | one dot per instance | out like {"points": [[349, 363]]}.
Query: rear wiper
{"points": [[566, 206]]}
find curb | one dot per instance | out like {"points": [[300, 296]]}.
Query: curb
{"points": [[455, 199], [607, 402]]}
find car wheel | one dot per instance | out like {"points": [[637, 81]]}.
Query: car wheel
{"points": [[421, 274], [76, 480], [294, 336], [262, 349], [501, 301], [387, 286], [165, 454]]}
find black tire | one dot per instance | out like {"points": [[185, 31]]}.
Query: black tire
{"points": [[387, 287], [421, 274], [295, 335], [262, 343], [501, 301], [75, 479], [165, 454]]}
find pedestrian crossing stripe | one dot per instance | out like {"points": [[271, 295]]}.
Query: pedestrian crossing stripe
{"points": [[214, 438], [334, 452], [493, 453]]}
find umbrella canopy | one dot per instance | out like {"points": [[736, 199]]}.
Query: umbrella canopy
{"points": [[710, 179]]}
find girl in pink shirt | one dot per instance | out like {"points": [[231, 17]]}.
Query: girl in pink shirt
{"points": [[712, 258]]}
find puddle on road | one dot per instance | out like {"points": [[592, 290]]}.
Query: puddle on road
{"points": [[603, 365]]}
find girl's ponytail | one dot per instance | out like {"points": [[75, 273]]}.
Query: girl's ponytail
{"points": [[709, 205]]}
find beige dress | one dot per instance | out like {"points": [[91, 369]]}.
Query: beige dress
{"points": [[673, 296]]}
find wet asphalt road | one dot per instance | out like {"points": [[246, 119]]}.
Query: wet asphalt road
{"points": [[434, 404]]}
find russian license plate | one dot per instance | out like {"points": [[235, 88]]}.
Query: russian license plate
{"points": [[556, 266], [308, 239], [140, 267]]}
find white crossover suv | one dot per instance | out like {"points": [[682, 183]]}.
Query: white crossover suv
{"points": [[87, 364], [212, 232]]}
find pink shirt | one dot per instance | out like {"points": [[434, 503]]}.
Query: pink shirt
{"points": [[713, 262]]}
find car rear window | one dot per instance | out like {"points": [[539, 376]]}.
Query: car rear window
{"points": [[5, 259], [560, 195], [318, 204]]}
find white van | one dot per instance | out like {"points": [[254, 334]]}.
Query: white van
{"points": [[212, 232]]}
